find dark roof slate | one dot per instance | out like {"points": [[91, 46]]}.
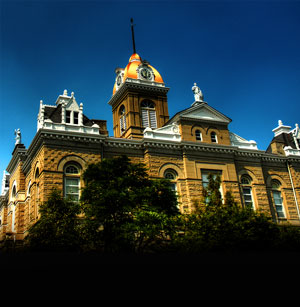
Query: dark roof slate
{"points": [[285, 138]]}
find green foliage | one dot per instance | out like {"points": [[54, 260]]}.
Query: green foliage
{"points": [[58, 227], [215, 226], [119, 200], [124, 211]]}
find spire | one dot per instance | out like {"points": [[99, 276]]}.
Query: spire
{"points": [[132, 32]]}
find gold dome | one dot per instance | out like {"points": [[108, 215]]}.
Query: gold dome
{"points": [[131, 70]]}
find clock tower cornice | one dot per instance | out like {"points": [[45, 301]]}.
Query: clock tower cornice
{"points": [[138, 86]]}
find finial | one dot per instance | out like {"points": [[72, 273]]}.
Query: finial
{"points": [[280, 123], [65, 93], [72, 94], [132, 32]]}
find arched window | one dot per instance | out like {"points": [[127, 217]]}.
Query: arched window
{"points": [[28, 188], [37, 173], [72, 181], [148, 114], [14, 193], [122, 120], [198, 135], [213, 137], [278, 201], [172, 176], [72, 169], [246, 182]]}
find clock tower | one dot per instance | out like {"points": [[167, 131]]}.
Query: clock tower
{"points": [[139, 98]]}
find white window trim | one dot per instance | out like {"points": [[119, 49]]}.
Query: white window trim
{"points": [[251, 194], [216, 137], [200, 134], [65, 185], [282, 205]]}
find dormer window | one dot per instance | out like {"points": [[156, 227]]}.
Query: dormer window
{"points": [[68, 117], [75, 118], [72, 117]]}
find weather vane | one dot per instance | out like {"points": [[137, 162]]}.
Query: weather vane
{"points": [[132, 32]]}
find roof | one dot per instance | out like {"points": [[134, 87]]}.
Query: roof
{"points": [[285, 138], [132, 70], [54, 113], [200, 112]]}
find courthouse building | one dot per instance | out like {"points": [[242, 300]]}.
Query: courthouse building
{"points": [[184, 147]]}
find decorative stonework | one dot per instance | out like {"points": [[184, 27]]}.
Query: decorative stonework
{"points": [[240, 142]]}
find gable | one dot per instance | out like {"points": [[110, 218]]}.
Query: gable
{"points": [[72, 105], [200, 112], [203, 112]]}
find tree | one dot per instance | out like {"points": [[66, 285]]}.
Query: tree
{"points": [[218, 226], [119, 200], [58, 226]]}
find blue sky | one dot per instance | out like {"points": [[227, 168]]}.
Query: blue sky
{"points": [[244, 55]]}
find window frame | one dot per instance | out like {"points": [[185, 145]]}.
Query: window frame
{"points": [[214, 137], [206, 172], [68, 116], [173, 181], [72, 176], [276, 189], [246, 183], [198, 135], [122, 119], [148, 114], [75, 117]]}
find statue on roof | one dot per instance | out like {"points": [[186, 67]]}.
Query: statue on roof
{"points": [[18, 136], [197, 92]]}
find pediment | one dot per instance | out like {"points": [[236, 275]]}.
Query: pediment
{"points": [[204, 112], [72, 105]]}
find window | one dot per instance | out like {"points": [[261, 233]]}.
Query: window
{"points": [[247, 191], [71, 169], [13, 193], [72, 117], [205, 180], [198, 135], [213, 137], [148, 114], [72, 182], [37, 173], [68, 117], [28, 188], [75, 118], [276, 185], [172, 176], [122, 120]]}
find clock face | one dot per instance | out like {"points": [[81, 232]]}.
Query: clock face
{"points": [[119, 80], [146, 73]]}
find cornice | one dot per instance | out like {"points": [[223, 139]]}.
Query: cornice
{"points": [[51, 137], [19, 154], [131, 84], [44, 136]]}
